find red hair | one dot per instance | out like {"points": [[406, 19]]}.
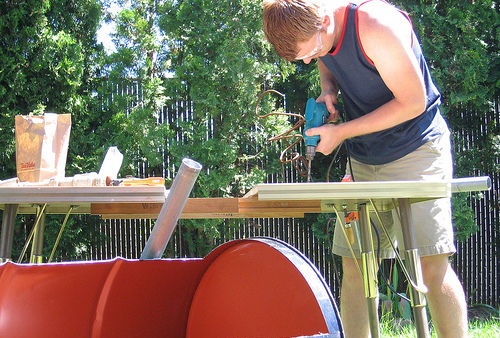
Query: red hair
{"points": [[288, 22]]}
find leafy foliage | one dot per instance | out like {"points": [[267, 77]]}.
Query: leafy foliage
{"points": [[46, 53], [131, 121], [45, 61]]}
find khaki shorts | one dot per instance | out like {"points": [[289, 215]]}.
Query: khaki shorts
{"points": [[431, 219]]}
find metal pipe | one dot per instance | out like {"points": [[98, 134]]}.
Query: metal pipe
{"points": [[59, 235], [37, 243], [369, 270], [40, 212], [7, 231], [467, 184], [171, 209], [415, 270]]}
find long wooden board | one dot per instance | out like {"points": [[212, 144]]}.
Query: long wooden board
{"points": [[199, 208]]}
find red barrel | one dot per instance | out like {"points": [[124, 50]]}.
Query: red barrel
{"points": [[245, 288]]}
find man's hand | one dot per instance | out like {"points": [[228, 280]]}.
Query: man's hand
{"points": [[330, 137], [330, 101]]}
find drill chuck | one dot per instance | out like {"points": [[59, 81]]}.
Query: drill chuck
{"points": [[310, 152]]}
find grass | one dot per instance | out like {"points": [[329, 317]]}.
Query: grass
{"points": [[488, 328]]}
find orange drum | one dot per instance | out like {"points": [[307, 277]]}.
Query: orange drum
{"points": [[258, 287]]}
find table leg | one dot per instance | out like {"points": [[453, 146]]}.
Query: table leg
{"points": [[369, 270], [414, 269], [37, 245], [7, 232]]}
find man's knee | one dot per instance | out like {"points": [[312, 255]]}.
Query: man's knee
{"points": [[434, 269]]}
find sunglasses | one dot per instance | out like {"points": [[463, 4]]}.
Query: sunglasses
{"points": [[316, 50]]}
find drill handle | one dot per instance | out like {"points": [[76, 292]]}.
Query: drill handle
{"points": [[316, 115]]}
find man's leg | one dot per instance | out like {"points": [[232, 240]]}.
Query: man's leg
{"points": [[353, 304], [445, 297]]}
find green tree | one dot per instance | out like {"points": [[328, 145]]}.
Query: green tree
{"points": [[131, 120], [47, 56], [221, 63], [46, 60], [221, 60]]}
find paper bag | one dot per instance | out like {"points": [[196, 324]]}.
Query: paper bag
{"points": [[42, 146]]}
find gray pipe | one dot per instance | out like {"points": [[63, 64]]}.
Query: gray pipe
{"points": [[171, 209], [468, 184]]}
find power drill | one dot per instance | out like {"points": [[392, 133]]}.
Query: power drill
{"points": [[316, 115]]}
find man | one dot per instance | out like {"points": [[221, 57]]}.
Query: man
{"points": [[369, 54]]}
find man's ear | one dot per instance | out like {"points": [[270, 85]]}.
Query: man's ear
{"points": [[326, 22]]}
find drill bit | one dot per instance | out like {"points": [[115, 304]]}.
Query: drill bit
{"points": [[310, 153], [309, 177]]}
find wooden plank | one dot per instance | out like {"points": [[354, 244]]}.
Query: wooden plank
{"points": [[126, 210], [253, 207], [211, 208], [195, 208], [205, 208]]}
